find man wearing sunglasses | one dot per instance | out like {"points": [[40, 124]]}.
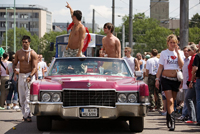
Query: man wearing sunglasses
{"points": [[111, 44], [28, 60]]}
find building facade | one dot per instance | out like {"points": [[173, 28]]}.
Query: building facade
{"points": [[63, 26], [159, 9], [33, 18]]}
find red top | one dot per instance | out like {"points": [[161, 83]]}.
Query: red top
{"points": [[190, 68]]}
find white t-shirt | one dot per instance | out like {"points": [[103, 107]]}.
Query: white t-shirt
{"points": [[131, 62], [185, 72], [169, 59], [152, 65], [41, 65]]}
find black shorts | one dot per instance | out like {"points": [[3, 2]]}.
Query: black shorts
{"points": [[170, 84]]}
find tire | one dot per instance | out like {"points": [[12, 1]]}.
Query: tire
{"points": [[136, 124], [44, 123]]}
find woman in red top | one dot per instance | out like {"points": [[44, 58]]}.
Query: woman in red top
{"points": [[190, 98]]}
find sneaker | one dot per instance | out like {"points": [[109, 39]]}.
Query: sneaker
{"points": [[17, 108], [190, 122], [8, 108], [164, 113], [2, 108], [181, 118]]}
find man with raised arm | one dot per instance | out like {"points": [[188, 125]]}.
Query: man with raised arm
{"points": [[111, 44], [28, 60], [77, 35]]}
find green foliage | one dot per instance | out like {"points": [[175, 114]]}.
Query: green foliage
{"points": [[20, 32], [194, 35], [195, 21], [45, 44]]}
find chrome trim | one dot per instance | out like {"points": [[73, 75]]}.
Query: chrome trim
{"points": [[33, 97], [90, 89], [121, 109], [90, 106], [127, 92], [48, 103], [51, 90]]}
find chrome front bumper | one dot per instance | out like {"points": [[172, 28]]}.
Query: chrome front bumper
{"points": [[57, 109]]}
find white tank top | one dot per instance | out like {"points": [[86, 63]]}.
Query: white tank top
{"points": [[131, 62], [3, 71]]}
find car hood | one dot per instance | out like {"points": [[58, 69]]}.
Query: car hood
{"points": [[90, 82]]}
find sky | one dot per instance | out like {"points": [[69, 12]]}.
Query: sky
{"points": [[103, 10]]}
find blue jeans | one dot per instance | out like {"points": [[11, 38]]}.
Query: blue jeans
{"points": [[40, 77], [185, 110], [14, 90], [190, 101], [197, 88]]}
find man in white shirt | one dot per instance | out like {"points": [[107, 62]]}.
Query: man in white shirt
{"points": [[151, 70], [42, 68], [187, 58], [133, 62]]}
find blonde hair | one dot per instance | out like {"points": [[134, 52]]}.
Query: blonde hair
{"points": [[128, 48], [193, 47], [172, 37]]}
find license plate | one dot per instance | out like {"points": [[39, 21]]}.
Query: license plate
{"points": [[89, 112]]}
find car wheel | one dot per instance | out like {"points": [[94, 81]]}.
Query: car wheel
{"points": [[44, 123], [136, 124]]}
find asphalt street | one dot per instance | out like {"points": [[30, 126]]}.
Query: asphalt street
{"points": [[154, 124]]}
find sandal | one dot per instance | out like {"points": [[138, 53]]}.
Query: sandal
{"points": [[28, 119]]}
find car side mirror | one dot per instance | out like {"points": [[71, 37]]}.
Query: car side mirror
{"points": [[138, 73], [51, 46]]}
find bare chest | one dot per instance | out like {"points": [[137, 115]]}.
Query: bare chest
{"points": [[110, 42], [24, 57], [74, 32]]}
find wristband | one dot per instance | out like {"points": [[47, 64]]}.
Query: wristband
{"points": [[157, 79], [191, 81], [30, 76]]}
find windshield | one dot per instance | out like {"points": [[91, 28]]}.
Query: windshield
{"points": [[89, 66]]}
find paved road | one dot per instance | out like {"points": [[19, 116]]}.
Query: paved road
{"points": [[154, 124]]}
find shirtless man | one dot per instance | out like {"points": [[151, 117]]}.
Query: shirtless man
{"points": [[77, 35], [111, 44], [28, 60]]}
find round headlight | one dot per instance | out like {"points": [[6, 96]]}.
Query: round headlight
{"points": [[132, 98], [122, 98], [46, 97], [55, 97]]}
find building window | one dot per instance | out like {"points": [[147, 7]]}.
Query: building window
{"points": [[24, 16], [3, 24], [3, 14]]}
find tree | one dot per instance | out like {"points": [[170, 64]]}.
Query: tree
{"points": [[195, 21], [20, 32], [45, 44]]}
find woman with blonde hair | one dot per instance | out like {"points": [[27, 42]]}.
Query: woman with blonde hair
{"points": [[170, 61]]}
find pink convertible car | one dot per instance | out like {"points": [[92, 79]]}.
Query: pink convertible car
{"points": [[89, 88]]}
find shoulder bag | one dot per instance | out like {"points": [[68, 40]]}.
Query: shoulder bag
{"points": [[9, 83]]}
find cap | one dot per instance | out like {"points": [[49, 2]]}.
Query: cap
{"points": [[147, 56]]}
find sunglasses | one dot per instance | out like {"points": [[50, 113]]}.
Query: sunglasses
{"points": [[189, 50], [125, 51], [25, 42]]}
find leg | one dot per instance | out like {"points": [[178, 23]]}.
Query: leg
{"points": [[185, 111], [197, 88], [159, 99], [151, 85]]}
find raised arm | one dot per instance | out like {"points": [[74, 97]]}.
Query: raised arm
{"points": [[71, 10]]}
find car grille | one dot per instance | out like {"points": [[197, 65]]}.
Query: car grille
{"points": [[86, 97]]}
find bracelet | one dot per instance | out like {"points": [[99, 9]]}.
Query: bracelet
{"points": [[157, 79], [191, 81]]}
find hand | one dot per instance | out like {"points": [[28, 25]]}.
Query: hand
{"points": [[181, 86], [28, 79], [176, 49], [157, 84], [191, 85], [68, 6]]}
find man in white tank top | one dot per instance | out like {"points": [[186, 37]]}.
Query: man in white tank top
{"points": [[133, 62]]}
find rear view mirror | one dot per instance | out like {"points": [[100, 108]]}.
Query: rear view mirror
{"points": [[138, 73], [51, 46]]}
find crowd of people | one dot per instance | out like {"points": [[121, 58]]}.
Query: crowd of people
{"points": [[160, 72]]}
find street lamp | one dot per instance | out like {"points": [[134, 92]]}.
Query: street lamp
{"points": [[32, 16], [7, 28]]}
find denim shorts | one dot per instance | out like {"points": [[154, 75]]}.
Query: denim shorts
{"points": [[170, 84]]}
